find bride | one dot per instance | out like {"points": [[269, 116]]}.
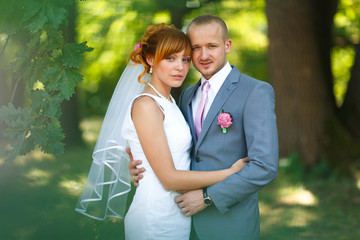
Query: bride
{"points": [[143, 116]]}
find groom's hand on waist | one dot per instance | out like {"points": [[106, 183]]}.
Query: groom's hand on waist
{"points": [[135, 172], [191, 202]]}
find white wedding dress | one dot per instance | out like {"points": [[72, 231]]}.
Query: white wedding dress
{"points": [[153, 213]]}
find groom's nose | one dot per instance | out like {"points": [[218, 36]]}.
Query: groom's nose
{"points": [[204, 54]]}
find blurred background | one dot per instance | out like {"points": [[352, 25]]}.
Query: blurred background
{"points": [[59, 64]]}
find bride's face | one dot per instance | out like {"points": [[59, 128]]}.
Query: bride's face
{"points": [[172, 70]]}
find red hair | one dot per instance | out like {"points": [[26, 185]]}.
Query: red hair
{"points": [[160, 41]]}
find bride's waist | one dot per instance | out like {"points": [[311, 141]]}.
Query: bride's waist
{"points": [[180, 162]]}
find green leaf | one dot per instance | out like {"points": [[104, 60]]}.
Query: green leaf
{"points": [[18, 144], [63, 80], [52, 109], [39, 99], [73, 54], [26, 146], [37, 21], [33, 43], [50, 72], [31, 8], [54, 145], [55, 148], [17, 121], [10, 133], [56, 53], [39, 136], [39, 56], [43, 103], [10, 22], [55, 14], [10, 113]]}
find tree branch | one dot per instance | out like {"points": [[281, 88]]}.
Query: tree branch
{"points": [[2, 50]]}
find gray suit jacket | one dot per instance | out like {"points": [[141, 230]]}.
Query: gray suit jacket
{"points": [[235, 212]]}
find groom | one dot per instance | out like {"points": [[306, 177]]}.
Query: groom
{"points": [[228, 209]]}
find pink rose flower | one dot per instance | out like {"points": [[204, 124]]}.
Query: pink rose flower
{"points": [[224, 120], [137, 45]]}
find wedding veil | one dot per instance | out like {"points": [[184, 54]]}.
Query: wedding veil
{"points": [[108, 183]]}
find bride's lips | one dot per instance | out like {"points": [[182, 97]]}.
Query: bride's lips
{"points": [[178, 77]]}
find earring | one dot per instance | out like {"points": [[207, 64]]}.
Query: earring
{"points": [[150, 71]]}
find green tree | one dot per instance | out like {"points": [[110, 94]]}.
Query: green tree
{"points": [[114, 32], [47, 67], [309, 120]]}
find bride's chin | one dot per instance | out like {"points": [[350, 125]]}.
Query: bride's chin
{"points": [[177, 86]]}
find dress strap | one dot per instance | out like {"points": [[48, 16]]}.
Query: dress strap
{"points": [[155, 98]]}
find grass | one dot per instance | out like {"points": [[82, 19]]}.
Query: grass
{"points": [[317, 205], [39, 193], [38, 197]]}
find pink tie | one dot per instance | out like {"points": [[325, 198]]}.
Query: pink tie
{"points": [[199, 117]]}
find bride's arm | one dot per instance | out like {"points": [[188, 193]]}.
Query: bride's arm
{"points": [[148, 120]]}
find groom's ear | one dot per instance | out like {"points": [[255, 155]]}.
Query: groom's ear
{"points": [[228, 46]]}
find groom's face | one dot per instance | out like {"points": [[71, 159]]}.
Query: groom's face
{"points": [[209, 48]]}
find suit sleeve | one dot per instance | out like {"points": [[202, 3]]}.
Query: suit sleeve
{"points": [[262, 146]]}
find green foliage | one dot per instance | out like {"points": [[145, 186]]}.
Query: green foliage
{"points": [[293, 166], [297, 171], [45, 65], [114, 32], [347, 34], [342, 59], [347, 21]]}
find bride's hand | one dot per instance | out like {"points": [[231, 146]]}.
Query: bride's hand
{"points": [[239, 164]]}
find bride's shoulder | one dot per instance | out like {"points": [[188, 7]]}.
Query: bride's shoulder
{"points": [[144, 99], [145, 105]]}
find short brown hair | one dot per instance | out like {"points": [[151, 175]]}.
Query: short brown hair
{"points": [[160, 41], [206, 19]]}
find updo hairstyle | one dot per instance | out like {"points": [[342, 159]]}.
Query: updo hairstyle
{"points": [[160, 41]]}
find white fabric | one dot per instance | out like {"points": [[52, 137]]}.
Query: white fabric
{"points": [[216, 82], [153, 213], [108, 182]]}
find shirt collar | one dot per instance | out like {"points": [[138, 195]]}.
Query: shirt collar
{"points": [[218, 79]]}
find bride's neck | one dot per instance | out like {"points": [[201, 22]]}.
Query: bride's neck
{"points": [[161, 89]]}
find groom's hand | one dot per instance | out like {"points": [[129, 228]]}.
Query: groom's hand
{"points": [[191, 202], [134, 171]]}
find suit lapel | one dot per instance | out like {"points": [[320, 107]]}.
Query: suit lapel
{"points": [[189, 112], [221, 97]]}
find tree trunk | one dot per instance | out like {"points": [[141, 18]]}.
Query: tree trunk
{"points": [[70, 114], [299, 67]]}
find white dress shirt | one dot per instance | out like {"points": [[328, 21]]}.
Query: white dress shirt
{"points": [[216, 82]]}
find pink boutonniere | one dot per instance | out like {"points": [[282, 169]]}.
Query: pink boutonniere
{"points": [[224, 120]]}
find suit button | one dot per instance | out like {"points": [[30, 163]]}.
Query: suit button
{"points": [[197, 159]]}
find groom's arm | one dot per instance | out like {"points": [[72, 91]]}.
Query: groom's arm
{"points": [[262, 143]]}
